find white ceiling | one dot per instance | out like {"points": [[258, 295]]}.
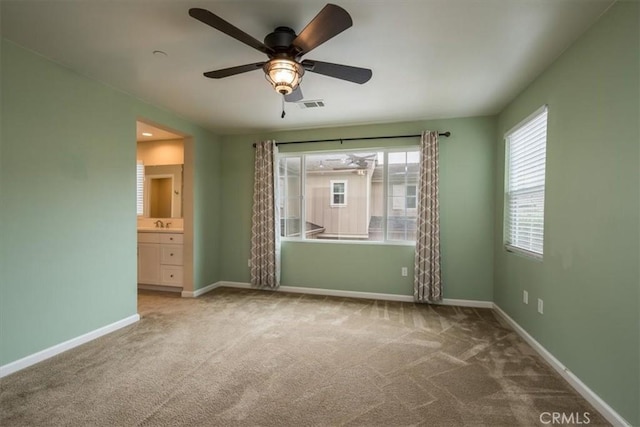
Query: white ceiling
{"points": [[430, 58], [149, 132]]}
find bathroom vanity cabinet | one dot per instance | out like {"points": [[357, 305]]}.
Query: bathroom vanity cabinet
{"points": [[160, 258]]}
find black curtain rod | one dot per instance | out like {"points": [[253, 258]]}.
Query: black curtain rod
{"points": [[341, 140]]}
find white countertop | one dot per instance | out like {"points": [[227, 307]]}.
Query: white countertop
{"points": [[160, 230]]}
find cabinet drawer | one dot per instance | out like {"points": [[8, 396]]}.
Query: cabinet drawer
{"points": [[171, 254], [148, 237], [172, 238], [170, 275]]}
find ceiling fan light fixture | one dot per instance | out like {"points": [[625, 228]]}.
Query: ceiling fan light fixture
{"points": [[284, 74]]}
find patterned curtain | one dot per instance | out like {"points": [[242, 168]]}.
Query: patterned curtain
{"points": [[265, 223], [427, 286]]}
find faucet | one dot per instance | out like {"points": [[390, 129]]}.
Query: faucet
{"points": [[167, 225], [159, 224]]}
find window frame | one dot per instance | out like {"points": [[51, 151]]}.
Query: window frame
{"points": [[301, 238], [529, 191]]}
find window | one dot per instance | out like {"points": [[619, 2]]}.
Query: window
{"points": [[402, 177], [405, 196], [526, 146], [338, 193], [412, 196], [139, 188], [375, 191], [290, 194]]}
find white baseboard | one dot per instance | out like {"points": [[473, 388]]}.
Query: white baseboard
{"points": [[353, 294], [345, 294], [607, 411], [466, 303], [198, 292], [32, 359]]}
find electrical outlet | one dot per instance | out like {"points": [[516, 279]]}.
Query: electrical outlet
{"points": [[249, 263], [540, 306], [404, 271], [525, 297]]}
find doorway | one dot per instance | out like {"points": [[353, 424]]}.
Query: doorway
{"points": [[164, 194]]}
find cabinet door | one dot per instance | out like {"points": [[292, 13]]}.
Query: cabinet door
{"points": [[149, 263]]}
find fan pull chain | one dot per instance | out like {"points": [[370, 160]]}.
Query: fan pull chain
{"points": [[283, 113]]}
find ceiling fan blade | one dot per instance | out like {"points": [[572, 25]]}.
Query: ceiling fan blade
{"points": [[232, 71], [220, 24], [328, 23], [339, 71], [294, 96]]}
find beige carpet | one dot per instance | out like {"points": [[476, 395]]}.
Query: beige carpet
{"points": [[248, 358]]}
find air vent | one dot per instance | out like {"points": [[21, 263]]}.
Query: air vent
{"points": [[316, 103]]}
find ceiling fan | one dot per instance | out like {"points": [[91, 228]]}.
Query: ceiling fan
{"points": [[284, 69], [358, 162]]}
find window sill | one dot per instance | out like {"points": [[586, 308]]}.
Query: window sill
{"points": [[349, 242], [523, 253]]}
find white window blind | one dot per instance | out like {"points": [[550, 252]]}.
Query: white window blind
{"points": [[524, 198], [139, 188]]}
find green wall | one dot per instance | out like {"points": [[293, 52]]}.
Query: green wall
{"points": [[589, 277], [68, 246], [67, 209], [466, 201]]}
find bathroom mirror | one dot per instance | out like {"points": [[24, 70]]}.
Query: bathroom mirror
{"points": [[163, 191]]}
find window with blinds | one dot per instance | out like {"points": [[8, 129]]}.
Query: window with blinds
{"points": [[526, 148], [139, 188]]}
